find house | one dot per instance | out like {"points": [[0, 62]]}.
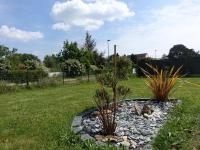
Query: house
{"points": [[140, 56]]}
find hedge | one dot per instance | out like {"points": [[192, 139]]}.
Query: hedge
{"points": [[22, 76], [190, 66]]}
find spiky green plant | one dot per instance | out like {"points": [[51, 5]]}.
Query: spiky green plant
{"points": [[162, 81]]}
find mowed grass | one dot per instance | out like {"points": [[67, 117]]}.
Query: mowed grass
{"points": [[40, 119]]}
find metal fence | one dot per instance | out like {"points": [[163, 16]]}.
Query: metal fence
{"points": [[36, 78]]}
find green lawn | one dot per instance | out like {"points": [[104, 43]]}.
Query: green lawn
{"points": [[41, 118]]}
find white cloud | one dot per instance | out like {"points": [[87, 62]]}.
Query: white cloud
{"points": [[17, 34], [89, 15], [170, 25], [61, 26]]}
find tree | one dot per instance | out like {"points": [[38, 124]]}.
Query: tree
{"points": [[4, 66], [11, 60], [164, 56], [89, 42], [17, 60], [85, 60], [124, 67], [30, 65], [5, 51], [95, 57], [100, 61], [107, 105], [91, 66], [51, 61], [70, 51], [181, 51]]}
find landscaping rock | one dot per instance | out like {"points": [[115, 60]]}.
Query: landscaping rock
{"points": [[125, 143], [98, 137], [77, 121], [110, 138], [133, 144], [78, 129], [85, 137], [138, 122]]}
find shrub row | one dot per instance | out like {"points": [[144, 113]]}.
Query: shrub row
{"points": [[22, 76]]}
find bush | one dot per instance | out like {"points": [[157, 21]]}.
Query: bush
{"points": [[72, 68], [5, 88]]}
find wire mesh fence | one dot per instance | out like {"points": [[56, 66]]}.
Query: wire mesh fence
{"points": [[39, 78]]}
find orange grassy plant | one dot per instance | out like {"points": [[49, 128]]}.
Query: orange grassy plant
{"points": [[162, 81]]}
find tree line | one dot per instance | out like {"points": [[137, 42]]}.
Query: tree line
{"points": [[178, 51], [10, 59], [75, 60]]}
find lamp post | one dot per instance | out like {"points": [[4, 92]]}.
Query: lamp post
{"points": [[155, 53], [108, 43]]}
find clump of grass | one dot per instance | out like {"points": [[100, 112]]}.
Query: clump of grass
{"points": [[5, 88], [74, 142], [162, 81], [46, 82]]}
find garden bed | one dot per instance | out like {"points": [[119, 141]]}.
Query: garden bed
{"points": [[135, 129]]}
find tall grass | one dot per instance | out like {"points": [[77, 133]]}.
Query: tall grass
{"points": [[46, 82], [6, 88]]}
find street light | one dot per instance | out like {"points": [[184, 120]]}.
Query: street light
{"points": [[155, 53], [108, 47]]}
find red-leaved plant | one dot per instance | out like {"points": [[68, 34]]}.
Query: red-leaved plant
{"points": [[106, 104]]}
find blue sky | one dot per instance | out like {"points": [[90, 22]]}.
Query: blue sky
{"points": [[136, 26]]}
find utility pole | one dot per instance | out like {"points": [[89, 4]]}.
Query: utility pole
{"points": [[115, 64], [115, 76]]}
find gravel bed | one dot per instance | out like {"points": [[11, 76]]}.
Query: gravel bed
{"points": [[133, 131]]}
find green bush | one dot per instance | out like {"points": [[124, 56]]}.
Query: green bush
{"points": [[72, 68], [5, 88]]}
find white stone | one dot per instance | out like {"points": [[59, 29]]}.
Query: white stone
{"points": [[125, 143], [133, 144]]}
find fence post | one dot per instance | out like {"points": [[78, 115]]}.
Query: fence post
{"points": [[27, 79]]}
